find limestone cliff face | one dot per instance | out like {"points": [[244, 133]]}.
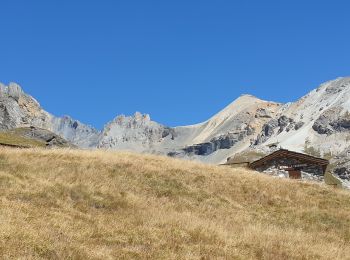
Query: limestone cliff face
{"points": [[320, 119], [82, 135], [18, 109], [137, 133]]}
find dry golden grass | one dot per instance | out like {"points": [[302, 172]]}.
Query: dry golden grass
{"points": [[13, 138], [69, 204]]}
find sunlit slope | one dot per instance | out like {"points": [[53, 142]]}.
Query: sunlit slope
{"points": [[31, 137], [57, 204], [15, 140]]}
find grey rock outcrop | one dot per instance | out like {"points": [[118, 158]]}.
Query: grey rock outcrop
{"points": [[284, 123], [277, 126], [18, 109], [298, 125], [14, 91], [343, 172], [221, 142], [267, 131], [79, 134], [332, 120], [341, 165], [137, 132], [262, 112]]}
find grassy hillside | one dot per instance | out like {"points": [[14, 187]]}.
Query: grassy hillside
{"points": [[57, 204], [15, 139], [32, 137]]}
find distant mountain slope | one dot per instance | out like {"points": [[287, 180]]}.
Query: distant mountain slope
{"points": [[136, 133], [18, 109], [231, 128], [322, 119], [229, 131], [319, 122]]}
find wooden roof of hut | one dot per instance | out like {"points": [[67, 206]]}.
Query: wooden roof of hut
{"points": [[283, 153]]}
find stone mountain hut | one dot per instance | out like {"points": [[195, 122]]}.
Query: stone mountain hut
{"points": [[293, 163]]}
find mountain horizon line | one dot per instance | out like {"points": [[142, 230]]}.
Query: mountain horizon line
{"points": [[146, 114]]}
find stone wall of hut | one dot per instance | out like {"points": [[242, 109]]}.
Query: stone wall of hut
{"points": [[278, 167]]}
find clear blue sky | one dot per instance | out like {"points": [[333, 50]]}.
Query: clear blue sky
{"points": [[180, 61]]}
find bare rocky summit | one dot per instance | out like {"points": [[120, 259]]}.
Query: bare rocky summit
{"points": [[18, 109], [135, 132]]}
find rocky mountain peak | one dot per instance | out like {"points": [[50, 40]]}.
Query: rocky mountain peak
{"points": [[247, 103], [245, 99], [17, 109], [12, 90], [143, 117], [248, 97], [136, 132], [135, 120]]}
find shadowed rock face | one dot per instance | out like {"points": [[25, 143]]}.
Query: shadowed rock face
{"points": [[332, 120], [221, 142], [168, 131], [283, 123], [343, 123], [343, 172], [298, 125], [341, 166], [267, 131]]}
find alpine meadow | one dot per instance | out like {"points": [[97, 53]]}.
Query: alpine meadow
{"points": [[71, 204]]}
